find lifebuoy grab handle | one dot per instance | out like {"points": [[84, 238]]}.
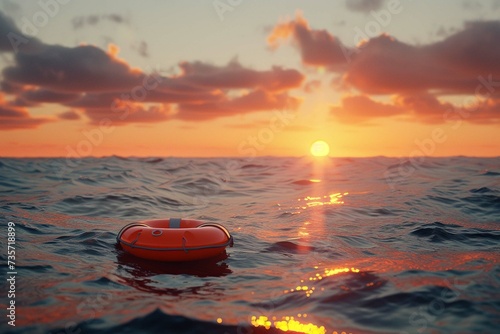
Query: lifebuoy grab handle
{"points": [[219, 226], [126, 227]]}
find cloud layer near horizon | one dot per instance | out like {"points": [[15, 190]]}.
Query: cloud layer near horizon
{"points": [[466, 63], [380, 77], [102, 86]]}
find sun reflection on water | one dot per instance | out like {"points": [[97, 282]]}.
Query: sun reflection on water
{"points": [[288, 324], [318, 277], [299, 323], [311, 201]]}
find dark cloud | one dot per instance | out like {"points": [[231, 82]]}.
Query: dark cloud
{"points": [[385, 65], [425, 108], [13, 40], [317, 47], [130, 113], [13, 118], [99, 85], [79, 22], [20, 102], [8, 29], [95, 100], [444, 32], [69, 115], [463, 63], [235, 76], [92, 19], [45, 95], [105, 100], [364, 6], [82, 68], [202, 91], [11, 88], [142, 49], [116, 18], [257, 100], [451, 66]]}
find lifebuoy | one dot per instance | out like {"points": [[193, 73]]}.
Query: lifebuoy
{"points": [[174, 239]]}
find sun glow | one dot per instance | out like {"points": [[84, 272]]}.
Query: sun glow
{"points": [[320, 149]]}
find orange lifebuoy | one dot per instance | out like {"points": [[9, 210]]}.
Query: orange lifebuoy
{"points": [[174, 239]]}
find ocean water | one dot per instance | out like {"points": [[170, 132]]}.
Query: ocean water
{"points": [[371, 245]]}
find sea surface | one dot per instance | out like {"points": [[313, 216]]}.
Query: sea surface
{"points": [[331, 245]]}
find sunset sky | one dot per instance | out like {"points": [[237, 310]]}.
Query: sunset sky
{"points": [[244, 78]]}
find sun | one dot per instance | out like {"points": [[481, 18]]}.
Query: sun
{"points": [[320, 149]]}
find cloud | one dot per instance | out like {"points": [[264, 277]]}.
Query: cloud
{"points": [[13, 118], [45, 95], [8, 29], [129, 113], [452, 66], [362, 109], [364, 6], [423, 108], [384, 65], [81, 21], [201, 91], [462, 63], [235, 76], [11, 88], [317, 47], [141, 48], [257, 100], [99, 84], [487, 113], [12, 39], [82, 68], [69, 115]]}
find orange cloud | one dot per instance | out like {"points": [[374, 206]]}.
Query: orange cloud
{"points": [[235, 76], [12, 118], [423, 108], [362, 109], [257, 100], [69, 115], [383, 65], [317, 47], [129, 113], [465, 63], [100, 84]]}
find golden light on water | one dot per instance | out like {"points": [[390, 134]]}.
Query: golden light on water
{"points": [[320, 149], [299, 323], [308, 291], [288, 324], [310, 201]]}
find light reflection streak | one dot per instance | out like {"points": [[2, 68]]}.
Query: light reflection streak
{"points": [[288, 324], [299, 324], [332, 199]]}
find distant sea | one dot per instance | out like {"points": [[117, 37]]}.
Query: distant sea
{"points": [[332, 245]]}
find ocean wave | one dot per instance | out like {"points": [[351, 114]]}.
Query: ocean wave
{"points": [[387, 256]]}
